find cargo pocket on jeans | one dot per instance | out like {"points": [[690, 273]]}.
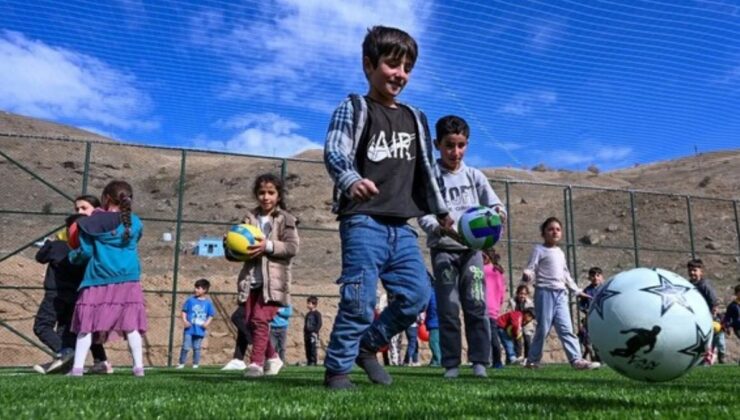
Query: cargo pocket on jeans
{"points": [[350, 292]]}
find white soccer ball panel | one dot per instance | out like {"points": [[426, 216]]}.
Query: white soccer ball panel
{"points": [[649, 324]]}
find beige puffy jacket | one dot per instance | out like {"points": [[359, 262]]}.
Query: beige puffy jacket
{"points": [[276, 266]]}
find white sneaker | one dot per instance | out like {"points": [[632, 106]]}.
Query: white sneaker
{"points": [[584, 364], [273, 366], [235, 364], [254, 371], [180, 367], [41, 368]]}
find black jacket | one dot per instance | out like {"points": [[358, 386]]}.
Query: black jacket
{"points": [[313, 322], [60, 273]]}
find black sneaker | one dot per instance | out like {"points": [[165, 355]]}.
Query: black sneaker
{"points": [[337, 381], [368, 361], [62, 364]]}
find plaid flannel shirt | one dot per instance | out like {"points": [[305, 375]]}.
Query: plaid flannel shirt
{"points": [[340, 150]]}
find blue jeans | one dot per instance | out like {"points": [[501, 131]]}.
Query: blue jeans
{"points": [[552, 310], [372, 250], [412, 349], [190, 342], [507, 343]]}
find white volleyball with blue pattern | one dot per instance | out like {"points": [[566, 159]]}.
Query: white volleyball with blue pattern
{"points": [[480, 227], [649, 324]]}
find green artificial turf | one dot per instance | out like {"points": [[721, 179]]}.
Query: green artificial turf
{"points": [[552, 391]]}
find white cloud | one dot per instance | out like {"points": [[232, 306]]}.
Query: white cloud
{"points": [[50, 82], [526, 103], [98, 131], [301, 45], [604, 156], [542, 37], [265, 134], [508, 145], [134, 12]]}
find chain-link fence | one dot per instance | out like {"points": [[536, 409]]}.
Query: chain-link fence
{"points": [[186, 196]]}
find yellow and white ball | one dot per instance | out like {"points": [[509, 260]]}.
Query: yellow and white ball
{"points": [[239, 237]]}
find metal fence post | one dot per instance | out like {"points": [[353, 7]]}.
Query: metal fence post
{"points": [[176, 269], [634, 229], [86, 167], [572, 225], [737, 225], [508, 239], [566, 227], [283, 169], [691, 227]]}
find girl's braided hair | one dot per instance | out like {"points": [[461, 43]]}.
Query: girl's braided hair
{"points": [[121, 194]]}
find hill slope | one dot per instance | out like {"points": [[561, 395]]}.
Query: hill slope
{"points": [[216, 193]]}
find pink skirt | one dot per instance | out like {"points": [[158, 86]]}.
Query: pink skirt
{"points": [[110, 311]]}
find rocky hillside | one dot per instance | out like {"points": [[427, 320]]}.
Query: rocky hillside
{"points": [[216, 193]]}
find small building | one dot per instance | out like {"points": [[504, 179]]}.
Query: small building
{"points": [[209, 247]]}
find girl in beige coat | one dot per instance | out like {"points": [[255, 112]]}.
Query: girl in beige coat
{"points": [[265, 277]]}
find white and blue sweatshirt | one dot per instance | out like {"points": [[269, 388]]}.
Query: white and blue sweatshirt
{"points": [[464, 188]]}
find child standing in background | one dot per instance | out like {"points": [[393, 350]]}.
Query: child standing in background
{"points": [[518, 302], [411, 358], [731, 320], [267, 272], [695, 267], [111, 302], [495, 296], [432, 322], [548, 269], [197, 313], [509, 328], [279, 330], [311, 329], [596, 278]]}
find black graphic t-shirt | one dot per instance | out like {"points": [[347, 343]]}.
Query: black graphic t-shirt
{"points": [[388, 154]]}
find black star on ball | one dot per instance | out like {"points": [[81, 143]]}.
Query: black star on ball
{"points": [[597, 304], [697, 350], [670, 294]]}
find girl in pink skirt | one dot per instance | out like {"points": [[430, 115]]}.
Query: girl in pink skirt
{"points": [[111, 302]]}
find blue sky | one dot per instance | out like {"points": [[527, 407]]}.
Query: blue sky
{"points": [[565, 83]]}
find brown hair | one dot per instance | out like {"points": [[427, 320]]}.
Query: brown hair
{"points": [[547, 222], [451, 124], [695, 263], [383, 41], [88, 198], [274, 180], [121, 194]]}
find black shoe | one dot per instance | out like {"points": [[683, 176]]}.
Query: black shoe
{"points": [[368, 361], [337, 381]]}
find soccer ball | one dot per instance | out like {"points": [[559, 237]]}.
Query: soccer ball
{"points": [[649, 324], [239, 237], [73, 236], [479, 227]]}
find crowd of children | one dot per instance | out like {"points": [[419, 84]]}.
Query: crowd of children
{"points": [[379, 154]]}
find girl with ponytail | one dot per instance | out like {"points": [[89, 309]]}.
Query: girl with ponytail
{"points": [[111, 302]]}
